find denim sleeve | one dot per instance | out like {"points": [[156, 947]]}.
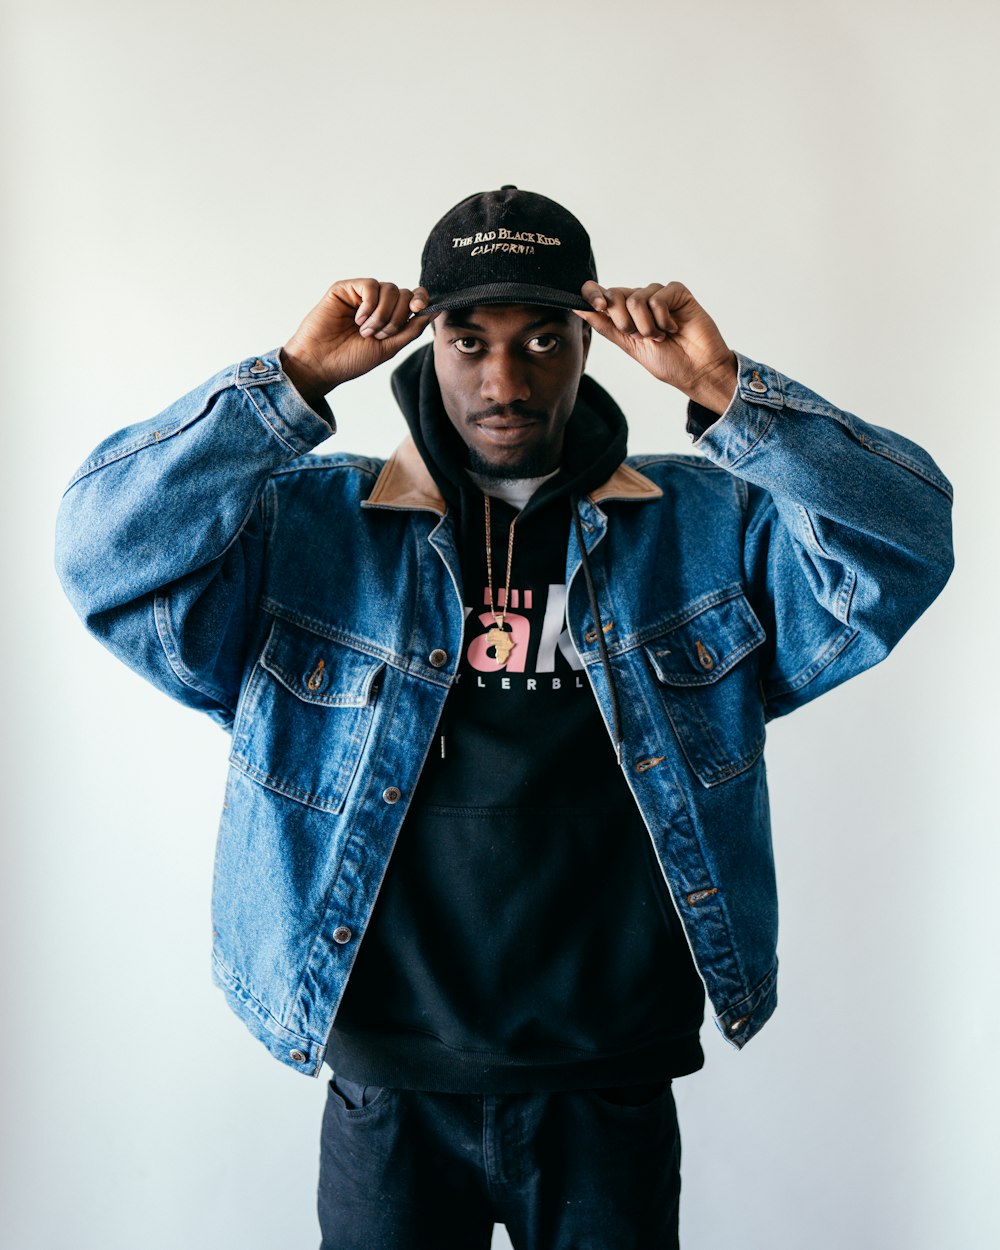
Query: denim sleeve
{"points": [[848, 530], [160, 535]]}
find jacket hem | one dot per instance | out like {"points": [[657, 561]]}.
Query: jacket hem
{"points": [[300, 1053]]}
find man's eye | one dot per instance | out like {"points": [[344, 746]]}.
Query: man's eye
{"points": [[468, 347], [543, 343]]}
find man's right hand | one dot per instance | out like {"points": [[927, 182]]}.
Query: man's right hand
{"points": [[358, 324]]}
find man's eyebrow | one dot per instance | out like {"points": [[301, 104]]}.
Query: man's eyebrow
{"points": [[458, 322], [557, 317]]}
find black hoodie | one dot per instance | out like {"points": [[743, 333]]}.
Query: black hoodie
{"points": [[523, 938]]}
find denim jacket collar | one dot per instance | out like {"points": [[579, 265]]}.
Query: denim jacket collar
{"points": [[405, 483]]}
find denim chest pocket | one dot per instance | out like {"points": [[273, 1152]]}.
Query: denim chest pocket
{"points": [[710, 690], [305, 716]]}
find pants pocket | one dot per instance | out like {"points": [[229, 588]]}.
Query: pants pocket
{"points": [[352, 1096], [632, 1095]]}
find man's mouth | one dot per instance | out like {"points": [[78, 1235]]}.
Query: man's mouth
{"points": [[507, 427]]}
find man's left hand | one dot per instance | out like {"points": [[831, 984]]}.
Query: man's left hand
{"points": [[668, 332]]}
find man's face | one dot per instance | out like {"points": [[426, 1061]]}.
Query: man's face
{"points": [[508, 375]]}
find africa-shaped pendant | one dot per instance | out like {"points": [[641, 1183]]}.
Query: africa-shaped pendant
{"points": [[502, 641]]}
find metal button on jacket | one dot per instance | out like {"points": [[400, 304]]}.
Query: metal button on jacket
{"points": [[298, 1056], [258, 366], [438, 657], [342, 934], [392, 794]]}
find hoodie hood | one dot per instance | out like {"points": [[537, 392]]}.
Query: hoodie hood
{"points": [[594, 447], [596, 436]]}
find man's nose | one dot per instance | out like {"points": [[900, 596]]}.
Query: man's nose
{"points": [[504, 379]]}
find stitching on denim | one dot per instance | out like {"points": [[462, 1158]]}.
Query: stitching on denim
{"points": [[365, 646], [695, 681], [283, 787], [710, 774], [826, 657], [292, 681], [164, 431], [454, 581], [684, 460], [847, 594], [734, 590], [168, 430], [760, 437], [808, 531], [269, 509], [351, 755], [322, 630], [239, 990], [248, 394], [318, 952], [762, 988], [171, 653], [730, 961], [911, 464], [309, 462]]}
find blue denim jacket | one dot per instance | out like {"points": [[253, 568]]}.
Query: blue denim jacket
{"points": [[312, 605]]}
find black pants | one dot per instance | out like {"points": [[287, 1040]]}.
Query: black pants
{"points": [[587, 1170]]}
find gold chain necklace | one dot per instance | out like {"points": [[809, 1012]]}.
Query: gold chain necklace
{"points": [[498, 637]]}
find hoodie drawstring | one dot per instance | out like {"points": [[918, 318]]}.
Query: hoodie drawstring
{"points": [[602, 645]]}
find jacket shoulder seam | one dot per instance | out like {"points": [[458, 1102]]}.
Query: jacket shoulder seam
{"points": [[339, 461], [701, 463]]}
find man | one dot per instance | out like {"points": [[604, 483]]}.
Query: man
{"points": [[496, 819]]}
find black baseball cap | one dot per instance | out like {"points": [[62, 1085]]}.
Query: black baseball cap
{"points": [[507, 247]]}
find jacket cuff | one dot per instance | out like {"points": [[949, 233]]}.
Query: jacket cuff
{"points": [[280, 405], [726, 439]]}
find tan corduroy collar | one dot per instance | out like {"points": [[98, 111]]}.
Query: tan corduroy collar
{"points": [[406, 484]]}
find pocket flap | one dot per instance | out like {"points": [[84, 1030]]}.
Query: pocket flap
{"points": [[318, 670], [707, 645]]}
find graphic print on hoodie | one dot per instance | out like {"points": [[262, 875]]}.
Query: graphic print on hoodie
{"points": [[523, 938]]}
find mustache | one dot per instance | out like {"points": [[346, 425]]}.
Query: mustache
{"points": [[507, 410]]}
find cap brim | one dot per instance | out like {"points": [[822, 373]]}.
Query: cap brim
{"points": [[506, 293]]}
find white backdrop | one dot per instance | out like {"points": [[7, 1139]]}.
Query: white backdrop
{"points": [[182, 180]]}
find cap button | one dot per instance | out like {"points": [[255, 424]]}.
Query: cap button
{"points": [[508, 186]]}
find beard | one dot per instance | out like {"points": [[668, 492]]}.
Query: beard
{"points": [[536, 462]]}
